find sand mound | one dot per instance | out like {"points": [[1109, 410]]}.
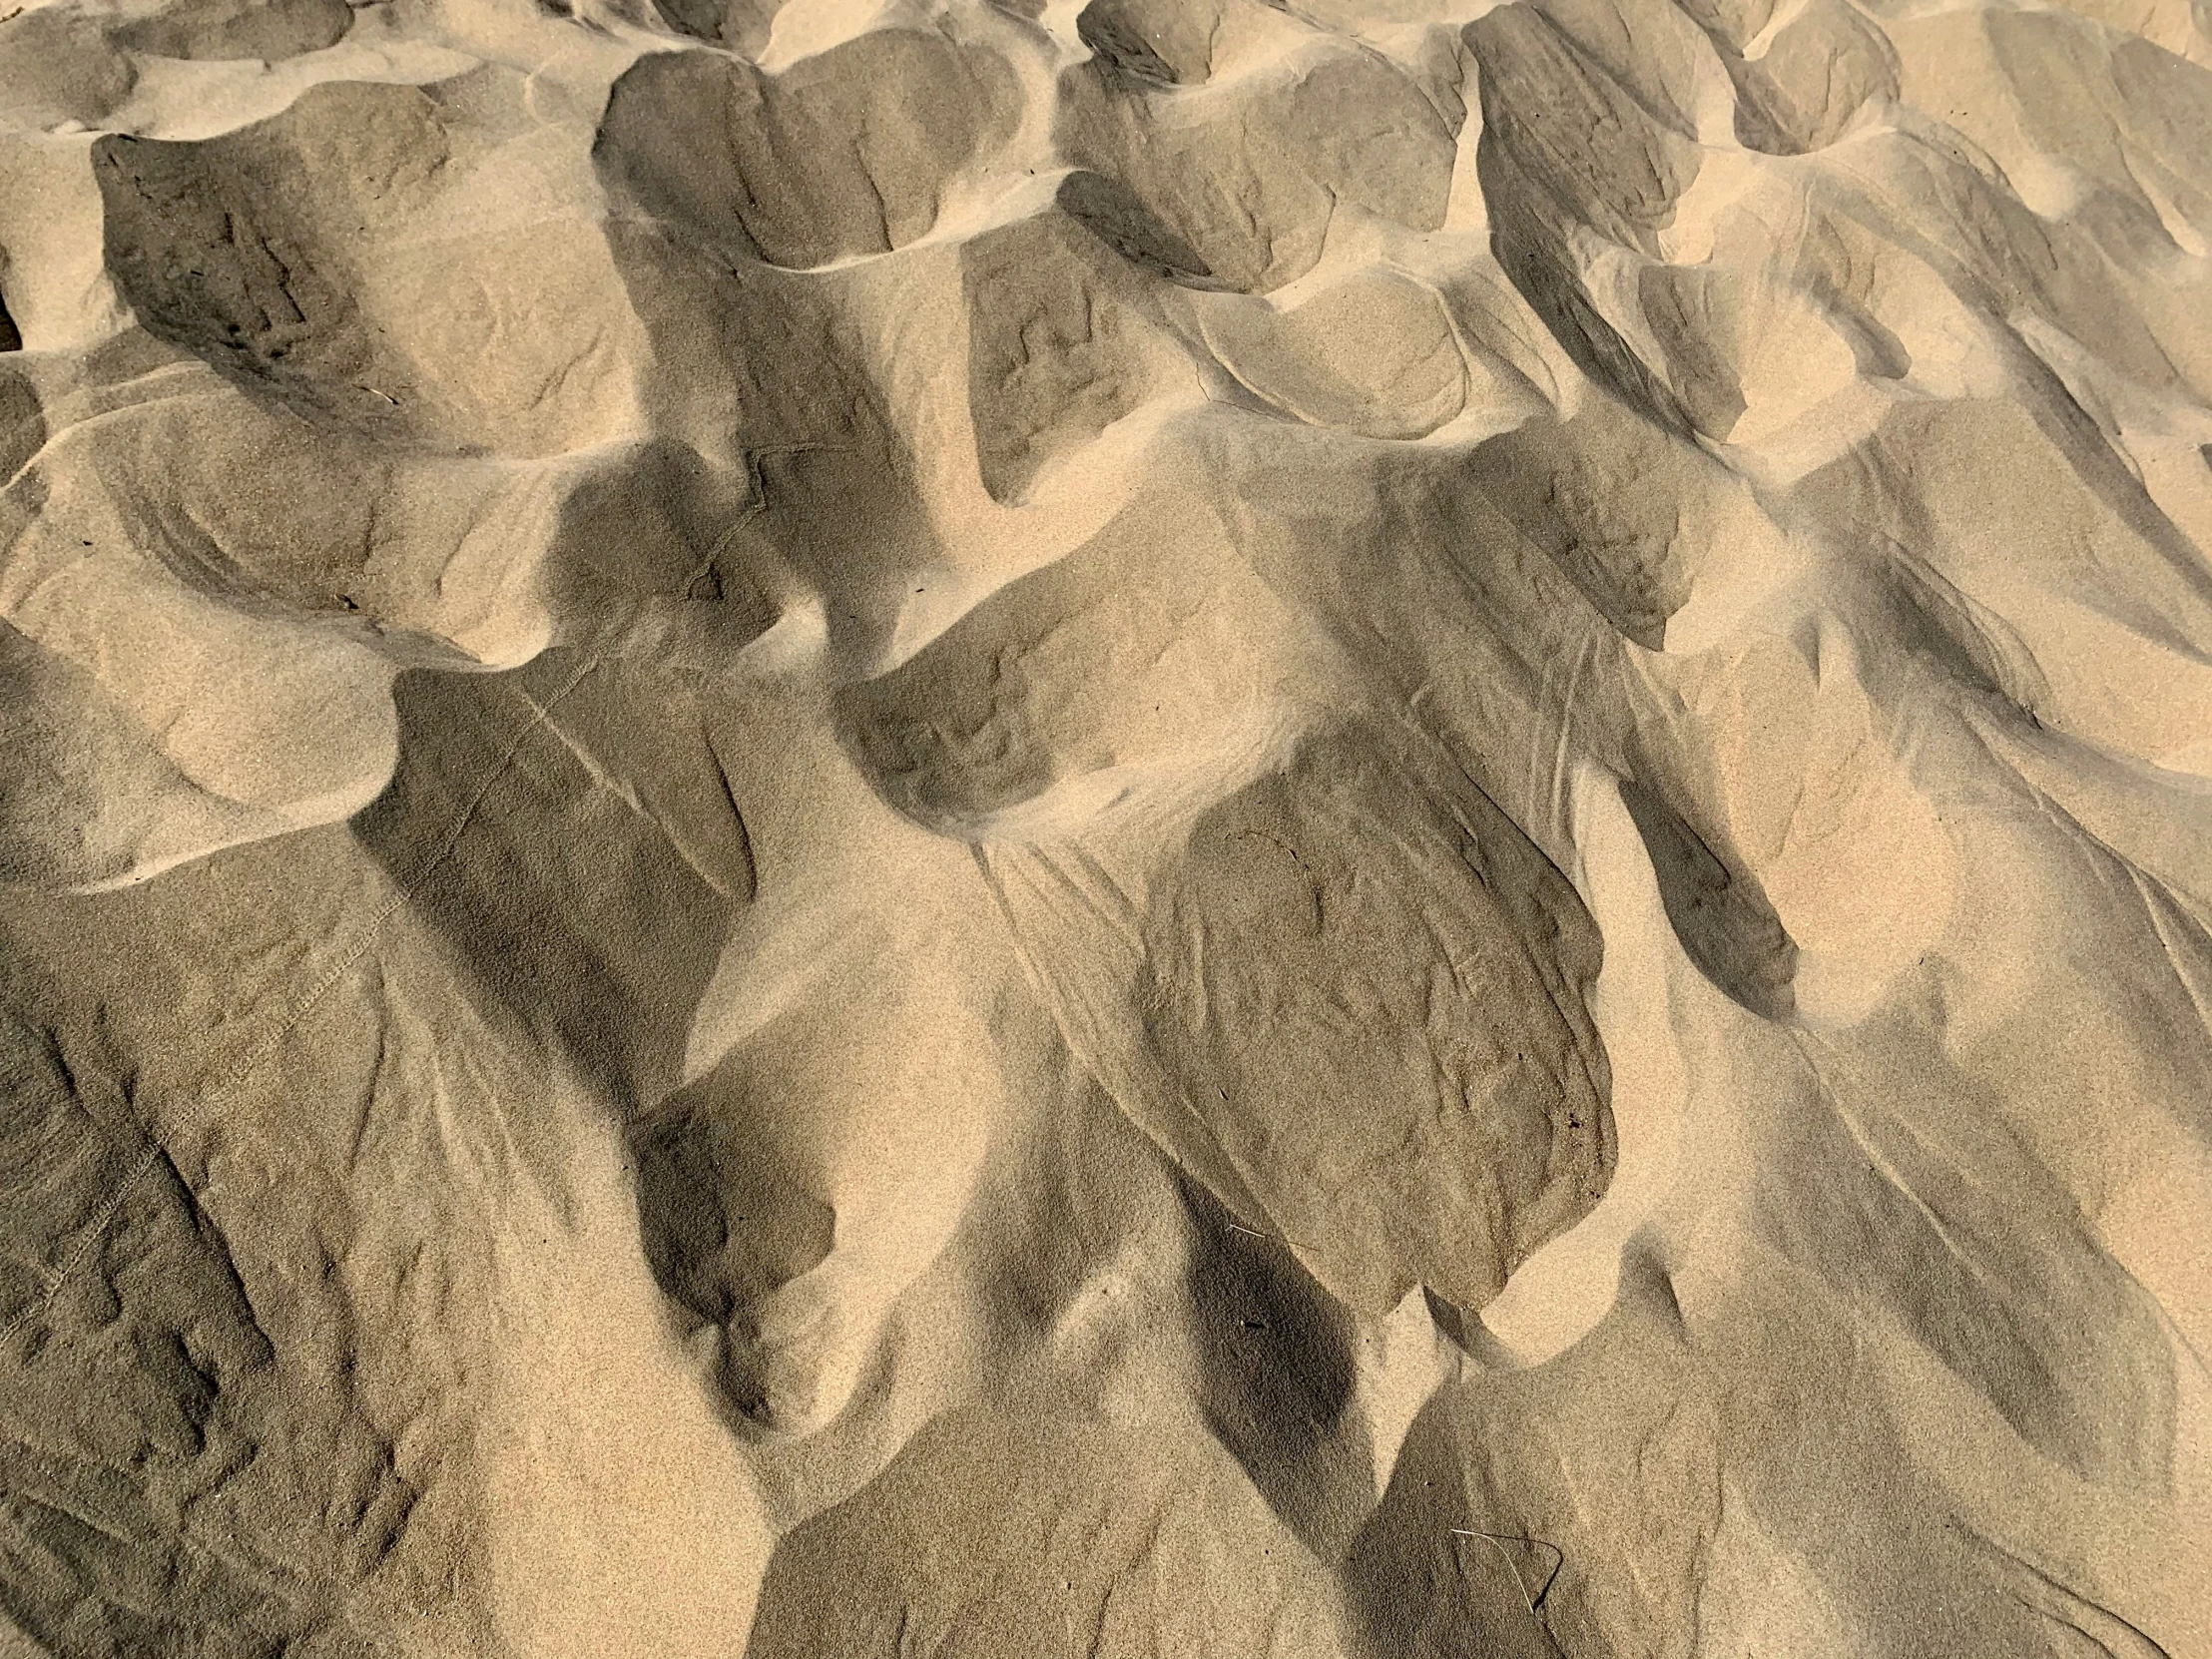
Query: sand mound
{"points": [[1314, 829]]}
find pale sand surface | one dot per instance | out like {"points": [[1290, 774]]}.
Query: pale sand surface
{"points": [[1160, 830]]}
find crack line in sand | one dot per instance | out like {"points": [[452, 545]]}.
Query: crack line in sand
{"points": [[260, 1054]]}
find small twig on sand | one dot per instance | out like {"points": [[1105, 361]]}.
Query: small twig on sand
{"points": [[1498, 1542], [1255, 1232]]}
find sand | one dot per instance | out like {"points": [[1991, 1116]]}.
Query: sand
{"points": [[1141, 830]]}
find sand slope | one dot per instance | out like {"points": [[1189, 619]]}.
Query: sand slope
{"points": [[1154, 827]]}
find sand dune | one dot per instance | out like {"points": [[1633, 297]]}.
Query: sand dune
{"points": [[1297, 829]]}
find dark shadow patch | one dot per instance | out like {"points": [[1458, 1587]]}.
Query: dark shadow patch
{"points": [[1617, 503], [57, 64], [1112, 213], [741, 25], [167, 1486], [566, 899], [843, 155], [763, 358], [22, 425], [1117, 41], [1727, 927], [268, 30], [1973, 642], [1277, 1376], [1064, 340], [2012, 1295], [1564, 144], [700, 19], [655, 527], [204, 243], [724, 1226], [1251, 175]]}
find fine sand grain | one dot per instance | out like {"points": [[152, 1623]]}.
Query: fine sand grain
{"points": [[1105, 830]]}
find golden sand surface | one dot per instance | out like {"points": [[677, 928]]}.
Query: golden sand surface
{"points": [[1135, 830]]}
